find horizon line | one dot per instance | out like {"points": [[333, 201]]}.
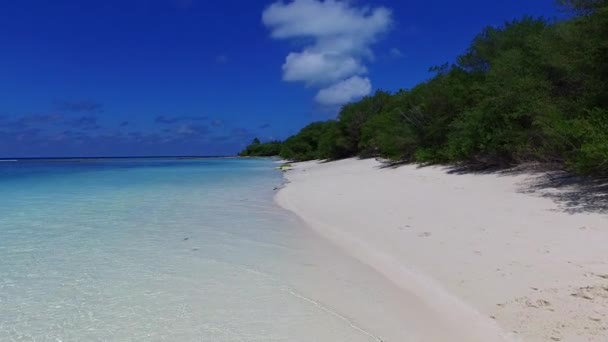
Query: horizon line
{"points": [[117, 157]]}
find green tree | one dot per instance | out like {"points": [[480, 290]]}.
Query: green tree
{"points": [[305, 144], [259, 149], [529, 90]]}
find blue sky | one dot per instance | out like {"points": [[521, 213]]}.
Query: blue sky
{"points": [[203, 77]]}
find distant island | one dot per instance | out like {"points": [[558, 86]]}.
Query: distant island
{"points": [[532, 90]]}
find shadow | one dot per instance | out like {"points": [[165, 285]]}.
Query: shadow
{"points": [[391, 164], [325, 161], [573, 194], [463, 169], [504, 169], [459, 169], [331, 160]]}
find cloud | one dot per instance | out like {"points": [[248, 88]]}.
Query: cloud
{"points": [[217, 123], [241, 132], [192, 130], [51, 121], [180, 139], [340, 37], [344, 91], [39, 119], [31, 121], [88, 122], [176, 119], [79, 106], [22, 136], [71, 136], [333, 20], [185, 131], [319, 68], [396, 53]]}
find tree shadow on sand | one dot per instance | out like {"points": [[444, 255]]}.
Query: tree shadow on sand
{"points": [[573, 194]]}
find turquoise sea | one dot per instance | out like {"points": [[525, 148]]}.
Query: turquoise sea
{"points": [[164, 250]]}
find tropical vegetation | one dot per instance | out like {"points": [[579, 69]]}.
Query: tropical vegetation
{"points": [[530, 90], [259, 149]]}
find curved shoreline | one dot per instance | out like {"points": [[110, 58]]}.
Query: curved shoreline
{"points": [[359, 210]]}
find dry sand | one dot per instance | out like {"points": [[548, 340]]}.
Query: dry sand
{"points": [[490, 255]]}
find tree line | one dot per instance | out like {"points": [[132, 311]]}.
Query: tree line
{"points": [[530, 90]]}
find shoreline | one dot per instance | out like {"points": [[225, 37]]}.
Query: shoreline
{"points": [[488, 260]]}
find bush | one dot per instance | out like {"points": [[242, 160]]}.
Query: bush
{"points": [[305, 144], [530, 90], [258, 149], [592, 130]]}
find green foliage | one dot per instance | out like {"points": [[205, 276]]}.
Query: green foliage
{"points": [[386, 134], [530, 90], [353, 116], [332, 144], [259, 149], [583, 6], [592, 132], [305, 144]]}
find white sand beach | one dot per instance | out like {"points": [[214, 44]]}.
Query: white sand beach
{"points": [[487, 257]]}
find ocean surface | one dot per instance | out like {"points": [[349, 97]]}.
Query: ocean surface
{"points": [[166, 250]]}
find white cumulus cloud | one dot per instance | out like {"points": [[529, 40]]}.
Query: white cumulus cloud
{"points": [[319, 68], [344, 91], [338, 35]]}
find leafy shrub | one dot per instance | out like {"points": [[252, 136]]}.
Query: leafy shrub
{"points": [[259, 149], [530, 90]]}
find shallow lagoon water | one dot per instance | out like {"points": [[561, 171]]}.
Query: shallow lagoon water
{"points": [[166, 250], [174, 250]]}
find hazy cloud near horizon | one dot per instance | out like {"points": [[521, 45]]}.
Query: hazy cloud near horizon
{"points": [[162, 119], [341, 36], [87, 122], [79, 106]]}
